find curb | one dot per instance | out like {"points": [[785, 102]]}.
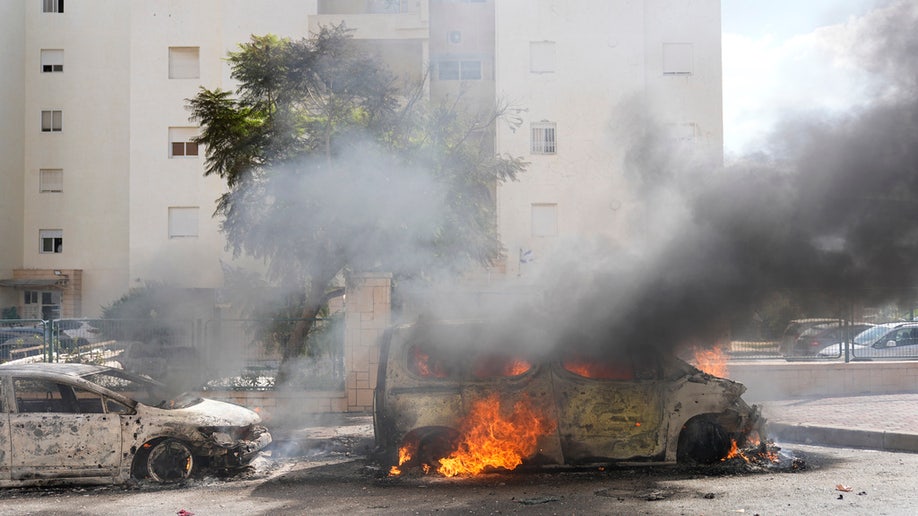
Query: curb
{"points": [[837, 436]]}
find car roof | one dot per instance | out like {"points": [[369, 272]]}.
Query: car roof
{"points": [[828, 326], [46, 369], [899, 325]]}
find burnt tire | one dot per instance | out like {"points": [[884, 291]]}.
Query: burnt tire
{"points": [[702, 441], [170, 460]]}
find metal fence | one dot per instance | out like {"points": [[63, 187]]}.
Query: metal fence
{"points": [[239, 354], [835, 339]]}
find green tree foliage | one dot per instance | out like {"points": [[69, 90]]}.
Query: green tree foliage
{"points": [[330, 169], [10, 312]]}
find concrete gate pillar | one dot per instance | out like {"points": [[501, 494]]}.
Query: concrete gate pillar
{"points": [[366, 316]]}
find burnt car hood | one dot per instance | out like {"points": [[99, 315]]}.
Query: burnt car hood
{"points": [[207, 412]]}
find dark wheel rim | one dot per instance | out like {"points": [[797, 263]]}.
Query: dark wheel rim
{"points": [[170, 461]]}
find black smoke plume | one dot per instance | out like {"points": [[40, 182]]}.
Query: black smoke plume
{"points": [[829, 206]]}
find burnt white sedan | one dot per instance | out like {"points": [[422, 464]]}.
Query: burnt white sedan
{"points": [[80, 423]]}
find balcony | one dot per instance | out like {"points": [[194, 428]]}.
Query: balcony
{"points": [[375, 19]]}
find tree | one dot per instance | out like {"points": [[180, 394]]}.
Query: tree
{"points": [[329, 169]]}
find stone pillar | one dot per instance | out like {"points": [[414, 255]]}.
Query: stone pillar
{"points": [[366, 316]]}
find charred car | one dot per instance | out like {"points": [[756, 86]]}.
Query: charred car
{"points": [[80, 423], [576, 405]]}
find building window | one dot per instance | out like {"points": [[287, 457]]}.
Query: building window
{"points": [[50, 180], [450, 70], [52, 6], [30, 297], [392, 6], [52, 240], [183, 222], [180, 144], [543, 138], [544, 220], [183, 63], [542, 56], [678, 59], [51, 121], [52, 61]]}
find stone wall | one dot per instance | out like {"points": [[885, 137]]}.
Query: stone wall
{"points": [[783, 380], [367, 315]]}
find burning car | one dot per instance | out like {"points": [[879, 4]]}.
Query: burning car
{"points": [[460, 399], [80, 423]]}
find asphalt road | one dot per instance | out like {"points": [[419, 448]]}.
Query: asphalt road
{"points": [[832, 481]]}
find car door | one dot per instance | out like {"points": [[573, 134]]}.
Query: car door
{"points": [[607, 409], [905, 340], [61, 431]]}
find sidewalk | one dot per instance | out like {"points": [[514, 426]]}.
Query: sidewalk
{"points": [[879, 421]]}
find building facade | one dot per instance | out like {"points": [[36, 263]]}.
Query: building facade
{"points": [[101, 189]]}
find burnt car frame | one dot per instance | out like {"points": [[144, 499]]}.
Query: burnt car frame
{"points": [[88, 424], [656, 409]]}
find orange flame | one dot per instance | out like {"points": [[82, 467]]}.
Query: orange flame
{"points": [[752, 450], [711, 360], [489, 440], [424, 366], [600, 370], [493, 366], [404, 455], [734, 452]]}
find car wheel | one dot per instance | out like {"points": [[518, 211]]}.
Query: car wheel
{"points": [[170, 460], [702, 441]]}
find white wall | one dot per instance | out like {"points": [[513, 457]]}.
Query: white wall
{"points": [[157, 103], [92, 148], [12, 90], [608, 55]]}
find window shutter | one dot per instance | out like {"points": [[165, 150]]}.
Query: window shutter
{"points": [[544, 219], [183, 222], [51, 180], [183, 63], [180, 141], [677, 59], [52, 60]]}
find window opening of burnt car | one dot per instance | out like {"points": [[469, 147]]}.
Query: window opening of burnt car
{"points": [[138, 388], [617, 365], [33, 395], [429, 361]]}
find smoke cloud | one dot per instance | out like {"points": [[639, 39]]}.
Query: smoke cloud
{"points": [[828, 206]]}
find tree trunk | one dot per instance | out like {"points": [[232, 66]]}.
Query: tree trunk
{"points": [[295, 347]]}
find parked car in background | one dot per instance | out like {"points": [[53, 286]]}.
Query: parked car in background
{"points": [[816, 338], [890, 340], [80, 332], [795, 328], [88, 424]]}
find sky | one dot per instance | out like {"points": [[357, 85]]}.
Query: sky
{"points": [[782, 57]]}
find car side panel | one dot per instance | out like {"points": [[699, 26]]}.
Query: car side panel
{"points": [[64, 445], [608, 420]]}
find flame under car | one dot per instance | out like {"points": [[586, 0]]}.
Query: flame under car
{"points": [[86, 424], [442, 384]]}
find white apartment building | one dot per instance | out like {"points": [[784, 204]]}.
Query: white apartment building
{"points": [[573, 66], [101, 190]]}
